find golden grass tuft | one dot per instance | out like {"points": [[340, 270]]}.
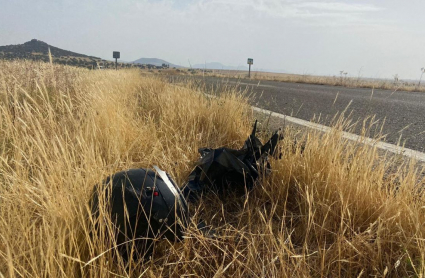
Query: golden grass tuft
{"points": [[335, 209]]}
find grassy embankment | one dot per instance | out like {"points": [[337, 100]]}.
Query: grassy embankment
{"points": [[334, 210]]}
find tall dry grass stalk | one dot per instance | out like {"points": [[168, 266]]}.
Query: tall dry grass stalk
{"points": [[335, 209]]}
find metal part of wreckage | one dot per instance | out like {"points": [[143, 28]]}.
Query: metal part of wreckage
{"points": [[223, 168]]}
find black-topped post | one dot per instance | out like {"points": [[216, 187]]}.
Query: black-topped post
{"points": [[250, 62], [116, 55]]}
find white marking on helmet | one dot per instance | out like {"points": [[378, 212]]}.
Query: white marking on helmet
{"points": [[167, 181]]}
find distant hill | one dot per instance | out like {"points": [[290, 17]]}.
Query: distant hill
{"points": [[155, 62], [39, 51], [34, 47], [216, 65]]}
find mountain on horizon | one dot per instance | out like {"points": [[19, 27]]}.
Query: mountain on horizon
{"points": [[155, 62], [36, 50], [35, 46]]}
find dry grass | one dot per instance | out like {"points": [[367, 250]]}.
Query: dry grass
{"points": [[343, 80], [334, 210]]}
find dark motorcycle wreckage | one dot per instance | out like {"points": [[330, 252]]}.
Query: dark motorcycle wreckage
{"points": [[147, 204]]}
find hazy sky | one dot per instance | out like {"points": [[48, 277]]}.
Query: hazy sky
{"points": [[375, 38]]}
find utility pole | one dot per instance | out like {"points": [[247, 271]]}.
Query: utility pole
{"points": [[250, 62], [116, 55]]}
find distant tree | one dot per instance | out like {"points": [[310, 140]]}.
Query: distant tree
{"points": [[395, 78], [422, 73]]}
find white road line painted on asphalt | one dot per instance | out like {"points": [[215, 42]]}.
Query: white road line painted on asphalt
{"points": [[419, 156]]}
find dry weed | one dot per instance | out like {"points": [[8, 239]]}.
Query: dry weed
{"points": [[331, 210]]}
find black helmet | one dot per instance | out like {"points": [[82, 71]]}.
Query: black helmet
{"points": [[143, 204]]}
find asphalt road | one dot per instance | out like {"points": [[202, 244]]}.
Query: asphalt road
{"points": [[403, 112]]}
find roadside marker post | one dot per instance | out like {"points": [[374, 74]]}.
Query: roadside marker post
{"points": [[250, 62], [116, 55]]}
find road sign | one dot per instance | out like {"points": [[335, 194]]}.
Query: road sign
{"points": [[250, 62], [116, 55]]}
